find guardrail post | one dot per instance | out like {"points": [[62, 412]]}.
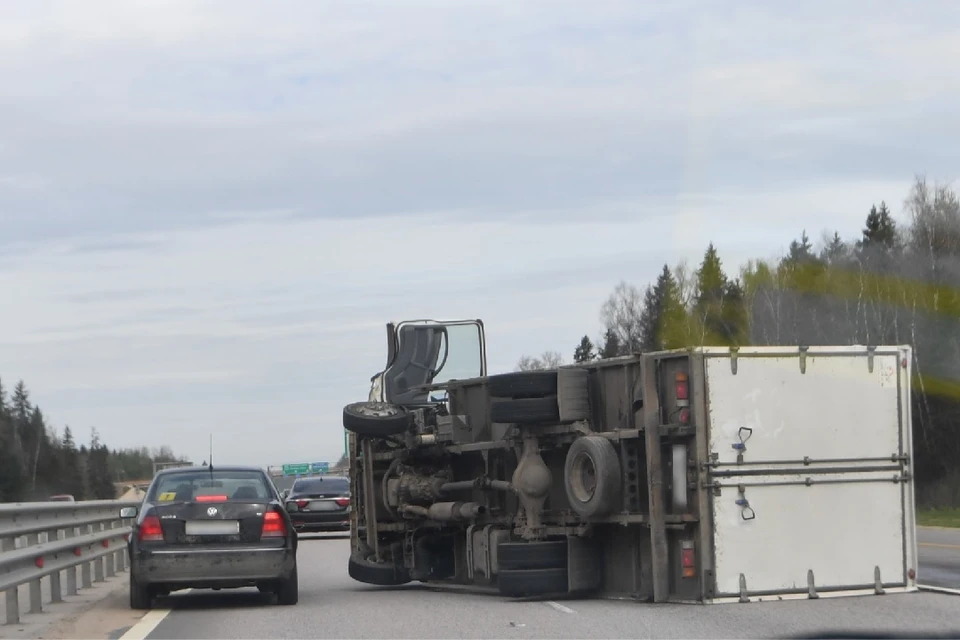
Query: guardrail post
{"points": [[12, 596], [36, 593], [98, 563], [72, 571], [87, 567], [110, 559]]}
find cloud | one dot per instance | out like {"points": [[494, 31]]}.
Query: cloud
{"points": [[208, 210]]}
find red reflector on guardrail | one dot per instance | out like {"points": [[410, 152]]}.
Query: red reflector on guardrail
{"points": [[105, 543], [77, 551], [39, 562]]}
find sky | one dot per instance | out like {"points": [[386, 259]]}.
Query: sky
{"points": [[209, 210]]}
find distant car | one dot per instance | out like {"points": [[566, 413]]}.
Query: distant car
{"points": [[320, 503], [207, 528]]}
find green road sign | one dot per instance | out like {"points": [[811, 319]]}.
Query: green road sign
{"points": [[296, 469], [320, 467]]}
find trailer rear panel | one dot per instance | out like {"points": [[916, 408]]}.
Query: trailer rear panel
{"points": [[808, 471]]}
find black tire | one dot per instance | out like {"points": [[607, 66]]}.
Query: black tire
{"points": [[523, 384], [593, 477], [383, 575], [288, 591], [525, 411], [532, 582], [375, 419], [551, 554], [141, 596]]}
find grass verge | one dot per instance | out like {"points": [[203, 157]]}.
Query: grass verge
{"points": [[949, 517]]}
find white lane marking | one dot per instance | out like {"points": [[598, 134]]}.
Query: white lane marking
{"points": [[559, 607], [148, 623], [926, 587]]}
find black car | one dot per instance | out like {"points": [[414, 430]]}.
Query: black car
{"points": [[322, 503], [206, 528]]}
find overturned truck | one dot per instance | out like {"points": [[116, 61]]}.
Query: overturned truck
{"points": [[704, 475]]}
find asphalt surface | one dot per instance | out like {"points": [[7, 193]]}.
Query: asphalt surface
{"points": [[332, 605], [939, 557]]}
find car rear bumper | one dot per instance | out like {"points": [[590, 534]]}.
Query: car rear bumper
{"points": [[198, 566], [320, 521]]}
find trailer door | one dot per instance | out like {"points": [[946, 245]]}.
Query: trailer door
{"points": [[809, 471]]}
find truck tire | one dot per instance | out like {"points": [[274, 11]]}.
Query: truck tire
{"points": [[532, 582], [525, 410], [375, 419], [593, 478], [523, 384], [551, 554], [382, 575]]}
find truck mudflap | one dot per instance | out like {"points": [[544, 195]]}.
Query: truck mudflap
{"points": [[808, 473]]}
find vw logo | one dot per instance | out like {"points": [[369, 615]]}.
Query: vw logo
{"points": [[212, 511]]}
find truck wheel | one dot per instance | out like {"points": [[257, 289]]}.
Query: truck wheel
{"points": [[551, 554], [532, 582], [380, 574], [375, 419], [592, 477], [523, 384], [525, 410]]}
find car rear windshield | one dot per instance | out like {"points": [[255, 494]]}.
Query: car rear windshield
{"points": [[314, 486], [240, 486]]}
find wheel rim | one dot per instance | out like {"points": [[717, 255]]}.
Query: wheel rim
{"points": [[377, 410], [583, 480]]}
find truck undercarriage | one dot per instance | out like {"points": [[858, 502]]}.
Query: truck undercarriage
{"points": [[651, 477]]}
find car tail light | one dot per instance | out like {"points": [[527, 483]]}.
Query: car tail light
{"points": [[688, 560], [342, 502], [150, 529], [273, 525], [211, 498], [303, 503]]}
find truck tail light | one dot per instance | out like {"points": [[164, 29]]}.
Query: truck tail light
{"points": [[683, 390], [150, 530], [273, 525], [688, 560]]}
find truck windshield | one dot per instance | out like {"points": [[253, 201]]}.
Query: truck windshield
{"points": [[463, 358]]}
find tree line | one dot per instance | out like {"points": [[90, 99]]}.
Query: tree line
{"points": [[898, 282], [37, 462]]}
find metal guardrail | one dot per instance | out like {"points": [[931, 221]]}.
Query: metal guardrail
{"points": [[45, 540]]}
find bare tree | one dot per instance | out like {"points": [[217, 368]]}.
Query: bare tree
{"points": [[547, 360], [622, 314]]}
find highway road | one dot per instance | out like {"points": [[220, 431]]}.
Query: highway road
{"points": [[939, 557], [334, 606]]}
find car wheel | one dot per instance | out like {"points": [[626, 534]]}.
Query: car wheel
{"points": [[375, 419], [140, 595], [288, 591]]}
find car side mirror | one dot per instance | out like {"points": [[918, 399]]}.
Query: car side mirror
{"points": [[129, 512], [284, 494], [293, 507]]}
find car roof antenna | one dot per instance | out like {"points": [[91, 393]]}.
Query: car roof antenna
{"points": [[211, 454]]}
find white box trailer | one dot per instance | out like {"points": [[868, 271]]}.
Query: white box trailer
{"points": [[708, 475], [809, 455]]}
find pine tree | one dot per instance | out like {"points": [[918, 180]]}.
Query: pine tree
{"points": [[584, 351], [611, 345], [880, 231]]}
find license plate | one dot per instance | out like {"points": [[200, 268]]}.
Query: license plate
{"points": [[212, 527], [323, 506]]}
